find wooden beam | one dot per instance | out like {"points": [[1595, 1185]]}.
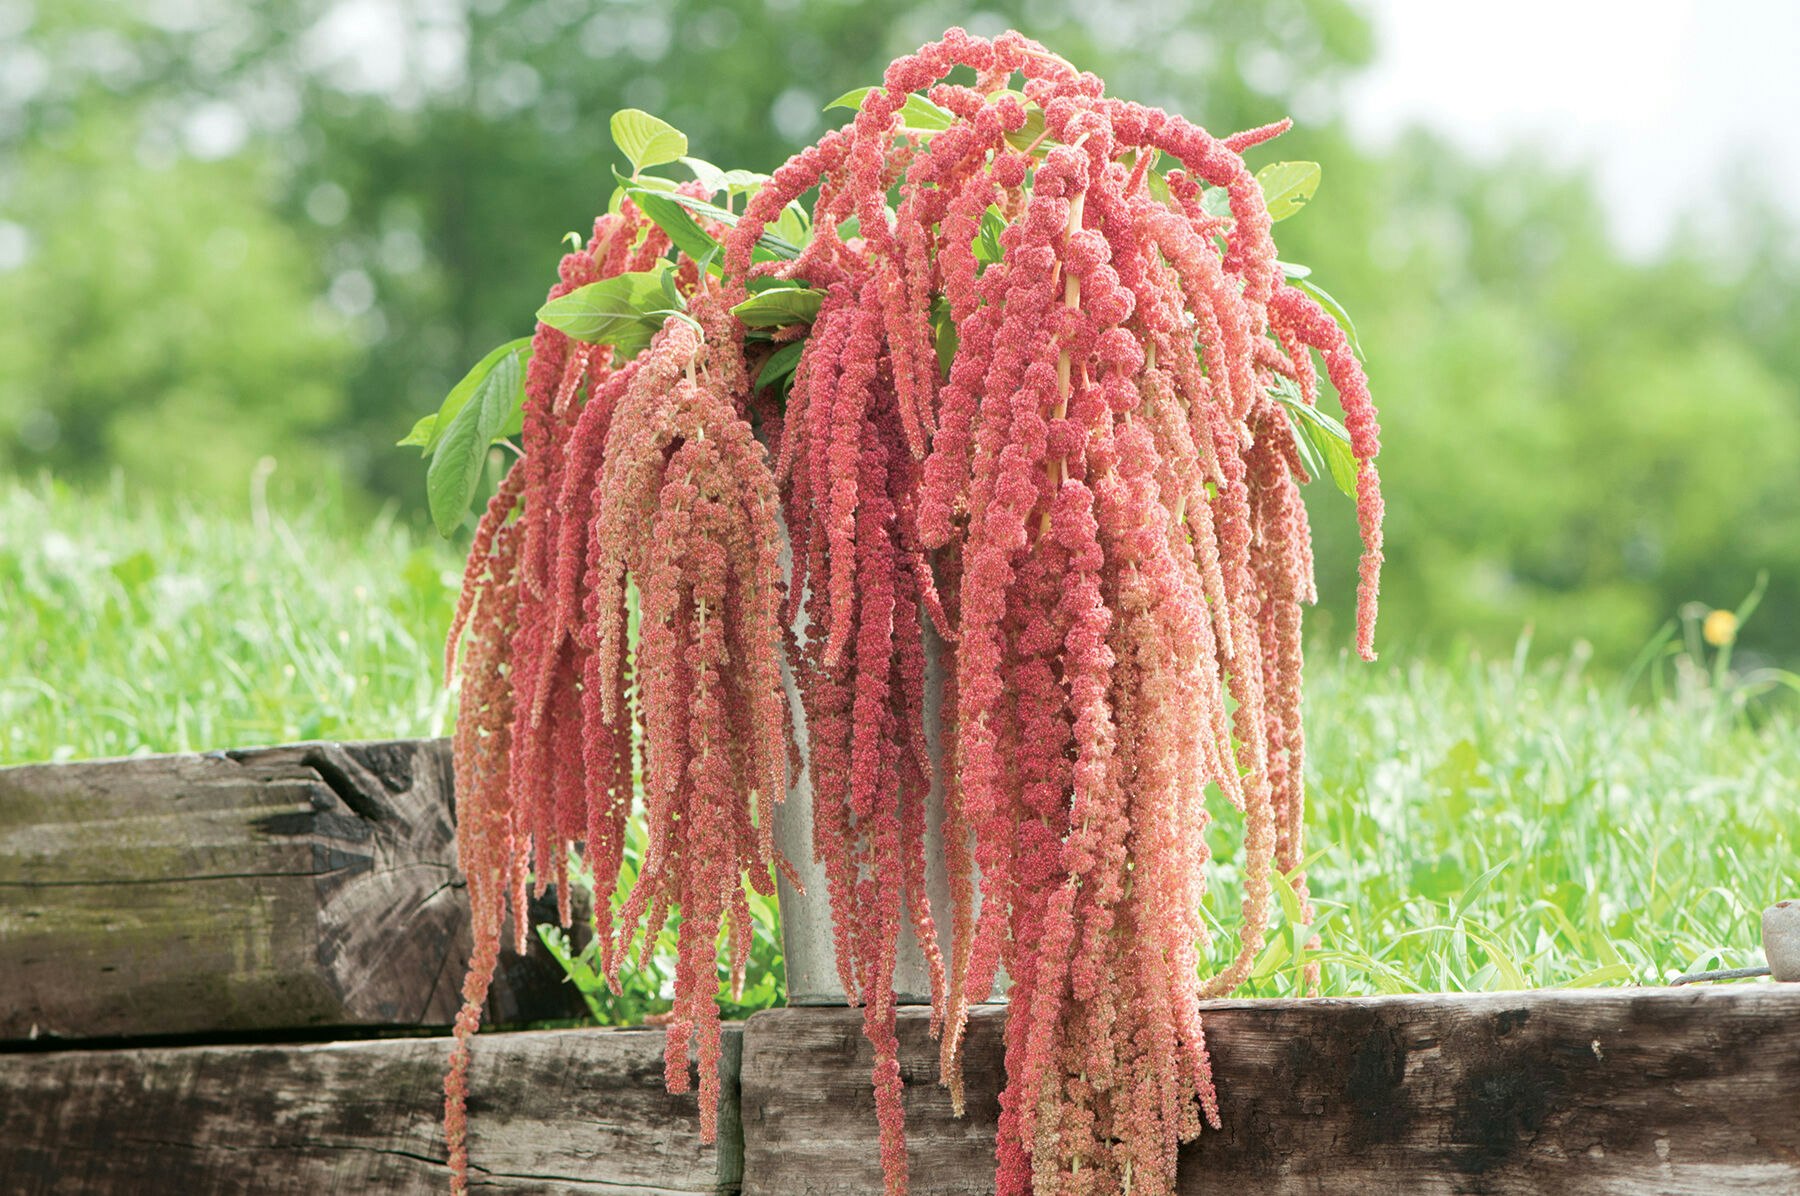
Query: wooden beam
{"points": [[1602, 1091], [272, 889], [549, 1111]]}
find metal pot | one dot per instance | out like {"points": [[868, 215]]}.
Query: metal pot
{"points": [[806, 938]]}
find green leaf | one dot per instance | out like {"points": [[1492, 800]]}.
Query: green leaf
{"points": [[1292, 270], [987, 238], [1026, 136], [918, 113], [1216, 201], [1335, 310], [1329, 439], [1288, 897], [706, 174], [852, 99], [1309, 456], [780, 365], [614, 311], [715, 180], [455, 468], [738, 182], [793, 225], [673, 219], [772, 243], [421, 433], [433, 427], [1030, 135], [1333, 443], [629, 183], [645, 182], [1286, 186], [646, 140], [945, 339], [779, 307], [672, 294]]}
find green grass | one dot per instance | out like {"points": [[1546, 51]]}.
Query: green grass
{"points": [[128, 626], [1477, 824], [1510, 824]]}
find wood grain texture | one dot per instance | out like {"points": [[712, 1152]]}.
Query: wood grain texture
{"points": [[270, 889], [549, 1111], [1669, 1091]]}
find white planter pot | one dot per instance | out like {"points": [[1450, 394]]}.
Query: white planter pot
{"points": [[1781, 939], [806, 937]]}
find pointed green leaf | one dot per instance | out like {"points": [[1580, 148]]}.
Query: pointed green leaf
{"points": [[434, 426], [1333, 444], [1030, 135], [420, 434], [918, 113], [671, 293], [781, 364], [738, 182], [1303, 444], [1293, 270], [1328, 438], [731, 182], [944, 338], [455, 468], [794, 225], [987, 238], [1158, 185], [779, 307], [852, 99], [772, 243], [921, 114], [646, 140], [614, 311], [1286, 186], [706, 174], [673, 219]]}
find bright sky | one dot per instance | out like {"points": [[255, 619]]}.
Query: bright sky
{"points": [[1663, 96]]}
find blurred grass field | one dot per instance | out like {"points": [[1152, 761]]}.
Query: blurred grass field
{"points": [[1477, 824], [136, 625]]}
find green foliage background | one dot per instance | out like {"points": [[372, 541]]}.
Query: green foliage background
{"points": [[233, 238]]}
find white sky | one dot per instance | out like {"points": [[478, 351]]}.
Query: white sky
{"points": [[1660, 95]]}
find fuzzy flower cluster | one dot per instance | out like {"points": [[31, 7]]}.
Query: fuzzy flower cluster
{"points": [[1089, 510], [642, 506]]}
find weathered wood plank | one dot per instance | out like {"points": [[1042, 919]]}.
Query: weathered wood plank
{"points": [[549, 1111], [1617, 1091], [275, 888]]}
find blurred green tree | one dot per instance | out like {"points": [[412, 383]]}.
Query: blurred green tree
{"points": [[164, 323], [1574, 442]]}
